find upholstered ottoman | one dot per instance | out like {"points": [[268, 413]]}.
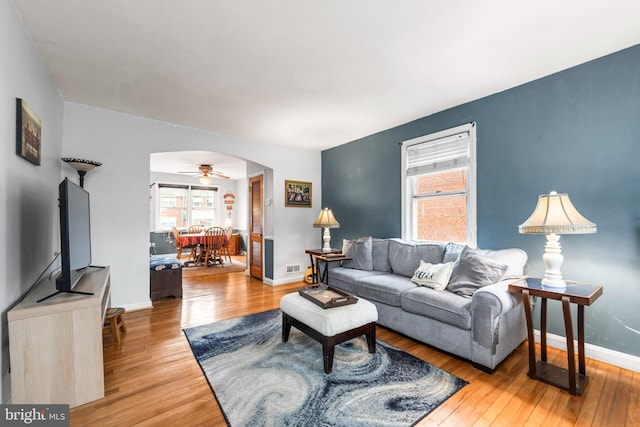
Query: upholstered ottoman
{"points": [[330, 326], [165, 277]]}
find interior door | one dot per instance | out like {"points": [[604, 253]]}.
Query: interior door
{"points": [[255, 226]]}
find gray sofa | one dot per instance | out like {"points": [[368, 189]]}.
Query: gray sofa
{"points": [[474, 317]]}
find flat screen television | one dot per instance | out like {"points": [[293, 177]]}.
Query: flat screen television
{"points": [[75, 236]]}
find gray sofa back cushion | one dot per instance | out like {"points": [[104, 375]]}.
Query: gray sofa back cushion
{"points": [[473, 271], [405, 255], [380, 252], [360, 251], [516, 260], [452, 252]]}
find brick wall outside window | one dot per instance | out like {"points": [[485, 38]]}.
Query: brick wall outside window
{"points": [[442, 218]]}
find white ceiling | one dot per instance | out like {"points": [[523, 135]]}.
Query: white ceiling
{"points": [[312, 73]]}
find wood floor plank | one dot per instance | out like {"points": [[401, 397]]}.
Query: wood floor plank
{"points": [[152, 377]]}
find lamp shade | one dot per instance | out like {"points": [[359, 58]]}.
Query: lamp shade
{"points": [[81, 164], [326, 219], [555, 214]]}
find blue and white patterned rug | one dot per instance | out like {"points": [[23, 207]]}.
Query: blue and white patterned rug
{"points": [[260, 381]]}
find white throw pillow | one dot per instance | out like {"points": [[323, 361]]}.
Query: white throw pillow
{"points": [[434, 276]]}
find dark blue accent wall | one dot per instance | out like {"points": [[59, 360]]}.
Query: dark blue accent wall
{"points": [[574, 131]]}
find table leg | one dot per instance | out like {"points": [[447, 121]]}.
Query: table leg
{"points": [[581, 363], [314, 273], [543, 330], [568, 326], [325, 275], [526, 302], [318, 275]]}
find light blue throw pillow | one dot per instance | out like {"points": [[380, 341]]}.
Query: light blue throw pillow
{"points": [[360, 251], [472, 271]]}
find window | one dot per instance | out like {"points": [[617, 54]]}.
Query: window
{"points": [[438, 194], [183, 205]]}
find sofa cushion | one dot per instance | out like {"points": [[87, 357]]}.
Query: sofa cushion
{"points": [[473, 271], [380, 254], [405, 256], [452, 252], [435, 276], [385, 288], [444, 306], [360, 251], [345, 278], [516, 260]]}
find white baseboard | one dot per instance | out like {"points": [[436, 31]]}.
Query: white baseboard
{"points": [[289, 279], [138, 306], [612, 357]]}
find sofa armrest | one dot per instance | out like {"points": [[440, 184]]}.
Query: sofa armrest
{"points": [[487, 305]]}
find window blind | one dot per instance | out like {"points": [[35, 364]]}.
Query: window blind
{"points": [[438, 155]]}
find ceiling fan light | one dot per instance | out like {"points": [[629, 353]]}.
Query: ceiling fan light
{"points": [[205, 179]]}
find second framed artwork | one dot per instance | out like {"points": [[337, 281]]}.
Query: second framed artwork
{"points": [[297, 194], [28, 133]]}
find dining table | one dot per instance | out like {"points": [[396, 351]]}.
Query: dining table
{"points": [[189, 240]]}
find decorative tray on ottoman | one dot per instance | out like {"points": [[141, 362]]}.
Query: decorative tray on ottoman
{"points": [[327, 297]]}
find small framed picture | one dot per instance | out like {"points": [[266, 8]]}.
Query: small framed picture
{"points": [[297, 194], [28, 133]]}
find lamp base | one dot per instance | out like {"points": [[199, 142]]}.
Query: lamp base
{"points": [[326, 238], [556, 284], [553, 260]]}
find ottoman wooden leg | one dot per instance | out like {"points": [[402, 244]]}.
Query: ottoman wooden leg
{"points": [[286, 327], [328, 349], [371, 338]]}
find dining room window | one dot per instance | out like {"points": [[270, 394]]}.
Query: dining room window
{"points": [[181, 206]]}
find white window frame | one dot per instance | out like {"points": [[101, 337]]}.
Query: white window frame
{"points": [[408, 211], [190, 207]]}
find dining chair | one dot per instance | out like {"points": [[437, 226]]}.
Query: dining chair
{"points": [[195, 250], [227, 242], [176, 239], [212, 248], [193, 229]]}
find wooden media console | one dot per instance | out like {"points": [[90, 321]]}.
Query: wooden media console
{"points": [[55, 346]]}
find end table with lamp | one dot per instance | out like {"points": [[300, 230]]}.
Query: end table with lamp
{"points": [[318, 255], [574, 293]]}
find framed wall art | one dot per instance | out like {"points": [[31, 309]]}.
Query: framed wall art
{"points": [[28, 133], [297, 194]]}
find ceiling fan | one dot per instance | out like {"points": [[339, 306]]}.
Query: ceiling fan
{"points": [[206, 173]]}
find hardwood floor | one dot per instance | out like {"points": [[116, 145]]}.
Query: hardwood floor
{"points": [[152, 378]]}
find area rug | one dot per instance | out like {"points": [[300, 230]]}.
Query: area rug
{"points": [[260, 381], [233, 267]]}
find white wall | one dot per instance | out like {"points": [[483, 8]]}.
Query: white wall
{"points": [[28, 193], [120, 190]]}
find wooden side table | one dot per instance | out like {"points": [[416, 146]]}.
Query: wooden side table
{"points": [[577, 293], [315, 263], [327, 258]]}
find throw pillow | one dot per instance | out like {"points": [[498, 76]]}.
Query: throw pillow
{"points": [[360, 251], [472, 271], [434, 276]]}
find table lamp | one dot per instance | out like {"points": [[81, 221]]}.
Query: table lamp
{"points": [[555, 214], [326, 220]]}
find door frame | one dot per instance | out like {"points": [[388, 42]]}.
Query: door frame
{"points": [[261, 177]]}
